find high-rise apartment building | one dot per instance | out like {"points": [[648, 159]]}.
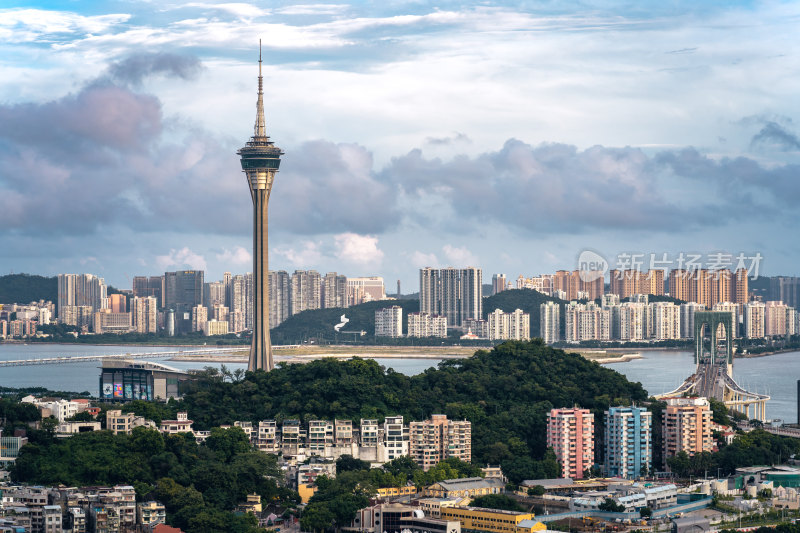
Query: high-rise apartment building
{"points": [[81, 290], [785, 289], [279, 288], [740, 292], [144, 286], [452, 292], [709, 287], [184, 290], [579, 284], [429, 291], [144, 314], [498, 283], [434, 440], [775, 319], [686, 427], [666, 321], [628, 442], [570, 432], [754, 315], [632, 321], [509, 326], [215, 293], [427, 325], [687, 318], [550, 322], [334, 291], [305, 292], [118, 303], [585, 322], [199, 318], [624, 283], [389, 322]]}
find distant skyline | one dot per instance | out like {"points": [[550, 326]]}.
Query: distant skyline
{"points": [[505, 135]]}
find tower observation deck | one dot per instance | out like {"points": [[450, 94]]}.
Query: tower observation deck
{"points": [[260, 161], [713, 376]]}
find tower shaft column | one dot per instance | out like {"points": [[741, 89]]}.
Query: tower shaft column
{"points": [[261, 347]]}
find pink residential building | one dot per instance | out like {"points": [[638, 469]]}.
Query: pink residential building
{"points": [[570, 432]]}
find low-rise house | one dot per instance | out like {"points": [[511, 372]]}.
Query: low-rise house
{"points": [[181, 425]]}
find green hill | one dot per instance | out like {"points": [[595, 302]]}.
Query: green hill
{"points": [[318, 324], [506, 393], [26, 288]]}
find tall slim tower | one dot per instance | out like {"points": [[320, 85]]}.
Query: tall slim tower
{"points": [[260, 161]]}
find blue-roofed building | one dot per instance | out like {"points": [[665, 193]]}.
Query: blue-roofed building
{"points": [[628, 441]]}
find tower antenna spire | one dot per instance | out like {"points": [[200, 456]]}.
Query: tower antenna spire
{"points": [[261, 127]]}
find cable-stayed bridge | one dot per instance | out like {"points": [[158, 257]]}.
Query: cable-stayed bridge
{"points": [[713, 376]]}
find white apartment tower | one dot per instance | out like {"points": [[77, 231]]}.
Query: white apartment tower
{"points": [[452, 292], [550, 322], [754, 320], [389, 322]]}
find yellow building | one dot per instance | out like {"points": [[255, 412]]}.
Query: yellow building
{"points": [[468, 487], [492, 520], [393, 492], [306, 491]]}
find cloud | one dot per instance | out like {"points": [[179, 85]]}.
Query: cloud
{"points": [[306, 257], [358, 249], [560, 189], [134, 68], [421, 260], [459, 257], [105, 156], [183, 258], [36, 25], [774, 135], [447, 141], [238, 256], [313, 9], [329, 187]]}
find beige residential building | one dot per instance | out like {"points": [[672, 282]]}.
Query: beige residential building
{"points": [[107, 322], [686, 427], [587, 322], [199, 318], [632, 321], [305, 293], [427, 325], [509, 326], [775, 319], [666, 321], [144, 314], [754, 315], [119, 422], [434, 440]]}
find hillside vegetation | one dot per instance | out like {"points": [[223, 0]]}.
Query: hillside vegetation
{"points": [[506, 393], [26, 288]]}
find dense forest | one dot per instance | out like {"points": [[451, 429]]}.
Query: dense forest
{"points": [[199, 484], [506, 393], [26, 288]]}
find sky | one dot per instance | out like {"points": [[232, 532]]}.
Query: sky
{"points": [[512, 136]]}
